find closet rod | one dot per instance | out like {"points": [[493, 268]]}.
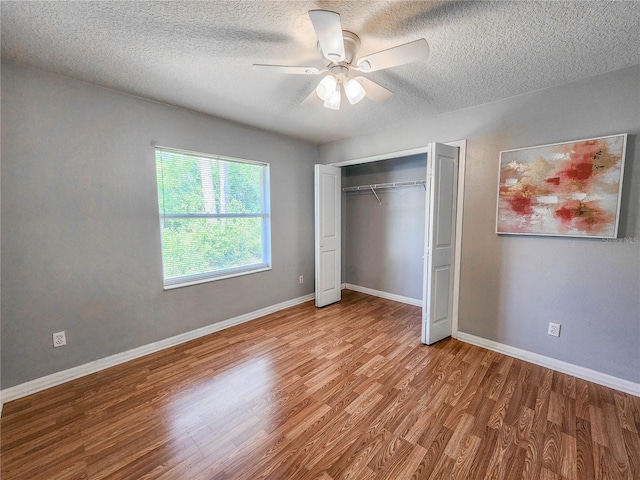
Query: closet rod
{"points": [[378, 186]]}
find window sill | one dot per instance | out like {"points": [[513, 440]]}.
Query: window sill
{"points": [[198, 281]]}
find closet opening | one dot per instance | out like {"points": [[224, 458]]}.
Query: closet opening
{"points": [[390, 225], [383, 227]]}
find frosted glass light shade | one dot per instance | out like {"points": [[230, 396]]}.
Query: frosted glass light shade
{"points": [[327, 87], [354, 91], [333, 102]]}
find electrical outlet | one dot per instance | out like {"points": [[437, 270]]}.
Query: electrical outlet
{"points": [[554, 329], [300, 279], [59, 339]]}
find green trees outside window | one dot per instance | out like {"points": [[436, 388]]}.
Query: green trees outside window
{"points": [[214, 216]]}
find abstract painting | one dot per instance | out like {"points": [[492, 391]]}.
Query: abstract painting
{"points": [[566, 189]]}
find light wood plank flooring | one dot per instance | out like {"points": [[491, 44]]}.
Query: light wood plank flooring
{"points": [[346, 391]]}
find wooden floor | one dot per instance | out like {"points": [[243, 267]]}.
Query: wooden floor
{"points": [[346, 391]]}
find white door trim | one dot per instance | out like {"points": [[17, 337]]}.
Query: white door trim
{"points": [[462, 145]]}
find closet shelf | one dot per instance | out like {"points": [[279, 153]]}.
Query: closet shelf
{"points": [[379, 186]]}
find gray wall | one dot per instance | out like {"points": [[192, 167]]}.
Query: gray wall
{"points": [[80, 236], [511, 287], [80, 230], [384, 243]]}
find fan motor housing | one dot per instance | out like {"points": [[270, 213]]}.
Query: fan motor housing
{"points": [[351, 46]]}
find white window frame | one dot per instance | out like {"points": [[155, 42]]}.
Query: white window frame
{"points": [[265, 215]]}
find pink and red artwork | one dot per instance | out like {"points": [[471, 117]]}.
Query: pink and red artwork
{"points": [[566, 189]]}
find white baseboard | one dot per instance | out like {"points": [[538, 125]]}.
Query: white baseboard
{"points": [[558, 365], [58, 378], [389, 296]]}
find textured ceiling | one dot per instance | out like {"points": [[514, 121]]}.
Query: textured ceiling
{"points": [[199, 54]]}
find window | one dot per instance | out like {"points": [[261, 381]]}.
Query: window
{"points": [[214, 216]]}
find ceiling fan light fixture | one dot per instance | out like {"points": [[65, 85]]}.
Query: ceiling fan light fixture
{"points": [[327, 87], [354, 91], [333, 102]]}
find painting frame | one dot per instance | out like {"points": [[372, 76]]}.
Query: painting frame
{"points": [[567, 189]]}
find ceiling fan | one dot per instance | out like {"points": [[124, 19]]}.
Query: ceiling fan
{"points": [[340, 48]]}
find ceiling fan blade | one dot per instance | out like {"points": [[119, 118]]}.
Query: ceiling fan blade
{"points": [[409, 52], [288, 69], [328, 28], [375, 92]]}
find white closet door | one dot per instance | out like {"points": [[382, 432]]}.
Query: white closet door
{"points": [[440, 229], [328, 237]]}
